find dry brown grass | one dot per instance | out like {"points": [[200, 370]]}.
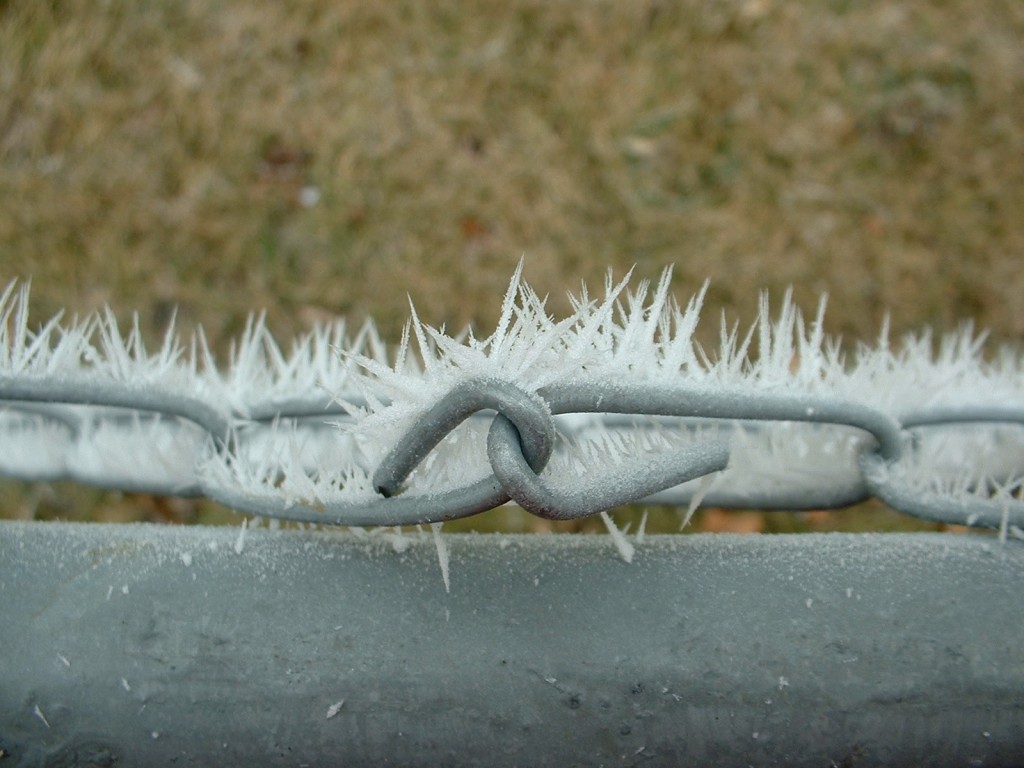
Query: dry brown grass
{"points": [[154, 155]]}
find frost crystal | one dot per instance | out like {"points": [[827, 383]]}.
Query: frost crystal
{"points": [[442, 553], [622, 544], [240, 541]]}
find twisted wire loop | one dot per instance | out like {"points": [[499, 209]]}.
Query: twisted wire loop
{"points": [[535, 436], [643, 480], [638, 480], [521, 440], [533, 425]]}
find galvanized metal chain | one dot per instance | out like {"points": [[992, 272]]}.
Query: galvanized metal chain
{"points": [[611, 405], [522, 437]]}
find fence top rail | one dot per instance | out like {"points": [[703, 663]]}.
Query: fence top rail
{"points": [[153, 645]]}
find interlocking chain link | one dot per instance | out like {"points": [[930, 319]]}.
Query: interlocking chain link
{"points": [[612, 405], [521, 438]]}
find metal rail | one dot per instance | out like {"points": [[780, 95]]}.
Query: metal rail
{"points": [[145, 645]]}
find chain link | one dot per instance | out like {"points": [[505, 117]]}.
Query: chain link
{"points": [[622, 379], [521, 438]]}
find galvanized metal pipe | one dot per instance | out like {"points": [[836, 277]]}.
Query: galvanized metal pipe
{"points": [[146, 645]]}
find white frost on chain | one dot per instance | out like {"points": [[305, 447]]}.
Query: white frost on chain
{"points": [[645, 337], [35, 448], [638, 336], [703, 486], [258, 375], [311, 467], [144, 451]]}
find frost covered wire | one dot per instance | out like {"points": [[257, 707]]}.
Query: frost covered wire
{"points": [[614, 403]]}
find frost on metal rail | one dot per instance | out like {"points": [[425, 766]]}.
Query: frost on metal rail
{"points": [[567, 417], [189, 645]]}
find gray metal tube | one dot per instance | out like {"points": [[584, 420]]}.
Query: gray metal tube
{"points": [[153, 645]]}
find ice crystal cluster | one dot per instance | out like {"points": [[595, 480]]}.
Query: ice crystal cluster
{"points": [[308, 424]]}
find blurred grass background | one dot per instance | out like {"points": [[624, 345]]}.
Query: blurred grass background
{"points": [[326, 158]]}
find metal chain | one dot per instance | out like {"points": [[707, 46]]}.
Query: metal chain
{"points": [[85, 402], [521, 439]]}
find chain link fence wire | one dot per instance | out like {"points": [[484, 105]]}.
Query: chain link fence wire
{"points": [[614, 404]]}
